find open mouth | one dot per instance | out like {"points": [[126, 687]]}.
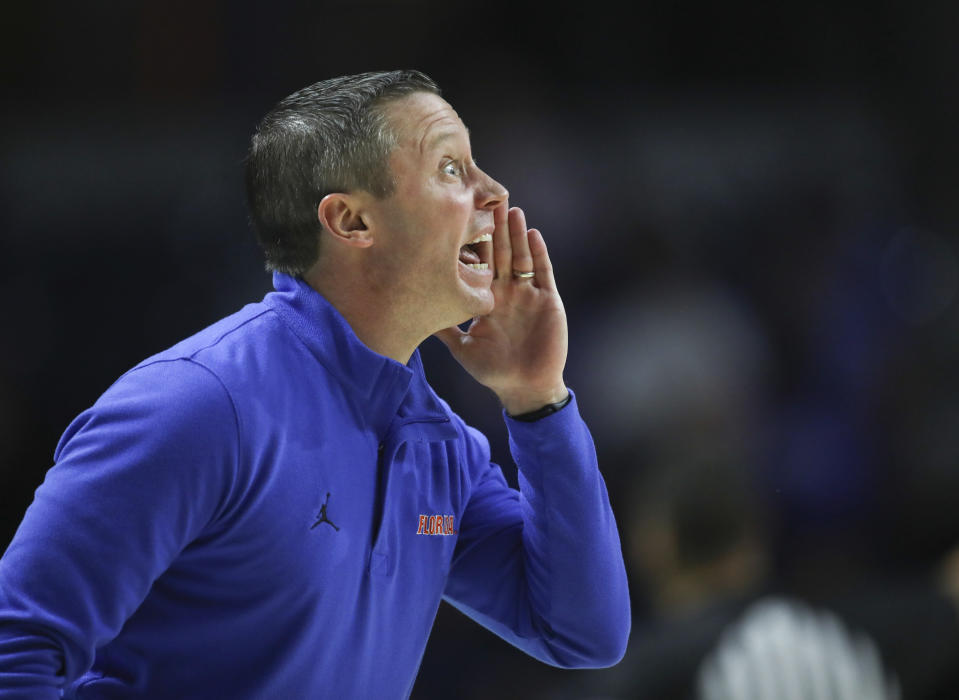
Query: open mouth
{"points": [[476, 254]]}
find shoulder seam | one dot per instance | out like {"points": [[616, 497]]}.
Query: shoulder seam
{"points": [[236, 416], [189, 357], [225, 334]]}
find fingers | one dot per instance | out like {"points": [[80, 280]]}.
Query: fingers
{"points": [[541, 262], [517, 248], [519, 241], [502, 250]]}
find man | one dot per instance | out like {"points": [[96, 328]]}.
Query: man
{"points": [[274, 507]]}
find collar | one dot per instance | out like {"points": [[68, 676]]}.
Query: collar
{"points": [[389, 394]]}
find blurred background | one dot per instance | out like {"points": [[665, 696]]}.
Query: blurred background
{"points": [[752, 211]]}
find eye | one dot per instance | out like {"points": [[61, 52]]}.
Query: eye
{"points": [[452, 169]]}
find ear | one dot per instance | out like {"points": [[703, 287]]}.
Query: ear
{"points": [[341, 216]]}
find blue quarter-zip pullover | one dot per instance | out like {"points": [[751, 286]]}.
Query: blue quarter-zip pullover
{"points": [[269, 509]]}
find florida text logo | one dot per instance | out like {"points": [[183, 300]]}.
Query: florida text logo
{"points": [[437, 525]]}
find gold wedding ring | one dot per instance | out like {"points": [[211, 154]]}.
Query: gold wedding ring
{"points": [[523, 275]]}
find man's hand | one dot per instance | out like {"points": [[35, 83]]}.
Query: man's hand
{"points": [[518, 350]]}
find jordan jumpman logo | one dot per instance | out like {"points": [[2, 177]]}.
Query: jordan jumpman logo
{"points": [[322, 517]]}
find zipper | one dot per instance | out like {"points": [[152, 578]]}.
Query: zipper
{"points": [[380, 496]]}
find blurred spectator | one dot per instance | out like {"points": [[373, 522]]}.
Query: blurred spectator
{"points": [[708, 607], [695, 531], [674, 360]]}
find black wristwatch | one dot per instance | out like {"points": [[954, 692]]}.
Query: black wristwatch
{"points": [[547, 410]]}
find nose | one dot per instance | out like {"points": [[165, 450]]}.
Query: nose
{"points": [[490, 194]]}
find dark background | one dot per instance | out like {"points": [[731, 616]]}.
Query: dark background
{"points": [[751, 209]]}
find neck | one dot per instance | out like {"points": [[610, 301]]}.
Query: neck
{"points": [[377, 319]]}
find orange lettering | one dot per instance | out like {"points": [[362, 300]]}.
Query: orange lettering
{"points": [[422, 525]]}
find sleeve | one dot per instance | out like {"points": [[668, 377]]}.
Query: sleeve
{"points": [[543, 567], [136, 478]]}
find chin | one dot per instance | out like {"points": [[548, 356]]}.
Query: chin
{"points": [[473, 309]]}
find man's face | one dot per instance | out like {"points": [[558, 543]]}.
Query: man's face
{"points": [[425, 257]]}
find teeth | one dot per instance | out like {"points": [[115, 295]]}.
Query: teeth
{"points": [[478, 266], [482, 239]]}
